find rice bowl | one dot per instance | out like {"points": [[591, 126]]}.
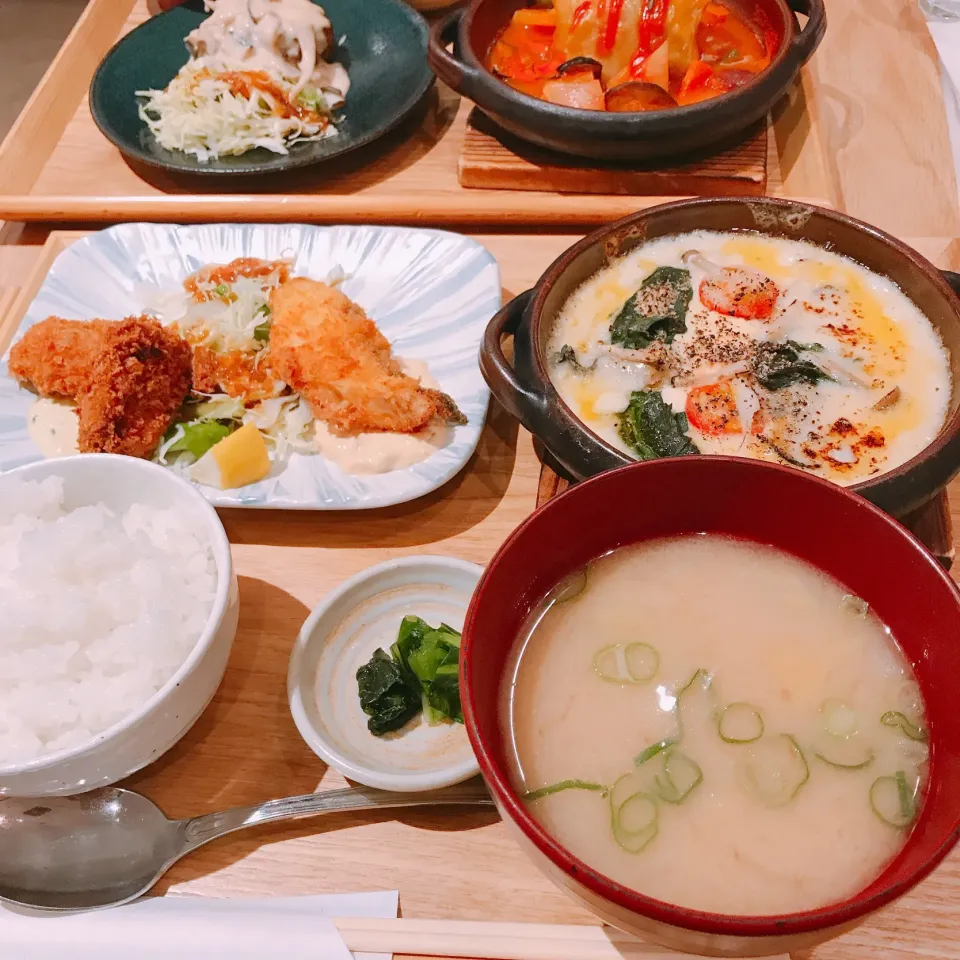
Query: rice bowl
{"points": [[156, 710]]}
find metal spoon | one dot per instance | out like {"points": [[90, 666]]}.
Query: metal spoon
{"points": [[107, 847]]}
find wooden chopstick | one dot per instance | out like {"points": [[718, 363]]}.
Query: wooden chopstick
{"points": [[498, 941]]}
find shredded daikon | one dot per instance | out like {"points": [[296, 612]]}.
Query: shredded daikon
{"points": [[286, 422], [200, 114]]}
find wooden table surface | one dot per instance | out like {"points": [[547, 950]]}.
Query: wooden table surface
{"points": [[885, 139], [246, 749]]}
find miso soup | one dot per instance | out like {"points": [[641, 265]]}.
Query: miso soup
{"points": [[718, 725]]}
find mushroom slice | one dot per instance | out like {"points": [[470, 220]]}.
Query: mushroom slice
{"points": [[888, 399]]}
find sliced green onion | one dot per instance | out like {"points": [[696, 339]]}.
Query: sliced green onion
{"points": [[681, 776], [221, 289], [894, 718], [633, 663], [705, 680], [740, 723], [908, 808], [839, 720], [547, 791], [262, 330], [700, 676], [844, 760], [641, 758], [571, 586], [892, 800], [854, 605], [626, 786], [778, 770], [635, 822], [642, 661]]}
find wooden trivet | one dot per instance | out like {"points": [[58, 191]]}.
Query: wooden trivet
{"points": [[492, 159], [931, 524]]}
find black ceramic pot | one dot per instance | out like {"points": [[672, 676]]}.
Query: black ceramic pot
{"points": [[525, 390], [622, 136]]}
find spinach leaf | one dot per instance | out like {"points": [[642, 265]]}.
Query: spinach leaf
{"points": [[657, 311], [778, 365], [385, 694], [652, 429]]}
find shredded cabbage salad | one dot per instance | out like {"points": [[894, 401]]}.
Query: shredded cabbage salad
{"points": [[235, 317], [201, 114], [285, 422]]}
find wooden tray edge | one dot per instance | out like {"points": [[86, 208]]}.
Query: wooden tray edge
{"points": [[14, 305], [512, 209]]}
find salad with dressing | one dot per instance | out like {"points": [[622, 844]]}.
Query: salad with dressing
{"points": [[260, 74]]}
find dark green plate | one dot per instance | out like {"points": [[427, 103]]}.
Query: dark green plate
{"points": [[382, 43]]}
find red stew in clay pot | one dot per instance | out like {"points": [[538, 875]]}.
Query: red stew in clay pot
{"points": [[630, 55]]}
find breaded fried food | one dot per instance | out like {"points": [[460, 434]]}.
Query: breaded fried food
{"points": [[55, 357], [329, 351], [198, 284], [245, 376], [138, 382]]}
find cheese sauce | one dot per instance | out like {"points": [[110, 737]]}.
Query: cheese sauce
{"points": [[884, 384]]}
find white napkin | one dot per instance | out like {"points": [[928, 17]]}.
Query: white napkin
{"points": [[946, 37], [195, 928]]}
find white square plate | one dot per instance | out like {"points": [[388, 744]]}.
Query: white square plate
{"points": [[429, 291]]}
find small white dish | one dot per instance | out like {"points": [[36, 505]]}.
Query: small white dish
{"points": [[156, 725], [340, 635]]}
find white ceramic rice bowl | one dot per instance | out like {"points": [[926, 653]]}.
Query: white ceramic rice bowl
{"points": [[158, 724]]}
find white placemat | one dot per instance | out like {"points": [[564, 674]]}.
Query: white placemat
{"points": [[196, 928], [943, 21]]}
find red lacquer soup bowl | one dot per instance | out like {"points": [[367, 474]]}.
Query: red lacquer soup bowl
{"points": [[831, 528]]}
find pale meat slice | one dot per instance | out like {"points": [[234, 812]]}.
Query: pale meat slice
{"points": [[328, 350]]}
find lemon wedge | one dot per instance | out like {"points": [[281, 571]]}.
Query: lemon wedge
{"points": [[235, 461]]}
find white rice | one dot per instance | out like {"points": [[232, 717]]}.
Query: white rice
{"points": [[97, 612]]}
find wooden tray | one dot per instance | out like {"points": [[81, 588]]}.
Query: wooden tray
{"points": [[56, 166], [245, 748], [493, 160]]}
